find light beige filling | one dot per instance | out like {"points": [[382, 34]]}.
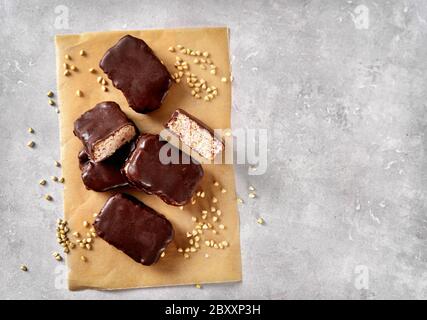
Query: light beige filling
{"points": [[106, 147], [196, 137]]}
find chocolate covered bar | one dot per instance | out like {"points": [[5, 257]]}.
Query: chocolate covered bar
{"points": [[174, 183], [104, 175], [104, 129], [134, 228], [194, 134], [135, 70]]}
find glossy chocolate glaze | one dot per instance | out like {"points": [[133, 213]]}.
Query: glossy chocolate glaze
{"points": [[104, 175], [135, 70], [134, 228], [99, 123], [175, 184]]}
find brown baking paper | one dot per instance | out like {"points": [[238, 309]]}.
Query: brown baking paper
{"points": [[107, 267]]}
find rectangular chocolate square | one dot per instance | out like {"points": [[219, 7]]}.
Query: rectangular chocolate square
{"points": [[134, 228], [104, 129], [194, 134], [175, 182], [104, 175], [135, 70]]}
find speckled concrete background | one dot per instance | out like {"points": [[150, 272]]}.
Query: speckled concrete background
{"points": [[341, 87]]}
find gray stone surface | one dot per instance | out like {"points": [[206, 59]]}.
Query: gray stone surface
{"points": [[341, 89]]}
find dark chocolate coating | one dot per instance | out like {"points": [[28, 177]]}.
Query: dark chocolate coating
{"points": [[134, 228], [104, 175], [99, 123], [135, 70], [83, 158], [175, 184]]}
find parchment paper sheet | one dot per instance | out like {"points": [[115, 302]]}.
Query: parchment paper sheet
{"points": [[107, 267]]}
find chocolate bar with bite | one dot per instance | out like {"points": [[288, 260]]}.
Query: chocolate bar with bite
{"points": [[135, 70], [104, 175], [103, 130], [194, 134], [174, 182], [134, 228]]}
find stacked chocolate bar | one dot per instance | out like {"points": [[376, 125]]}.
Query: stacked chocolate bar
{"points": [[116, 155]]}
